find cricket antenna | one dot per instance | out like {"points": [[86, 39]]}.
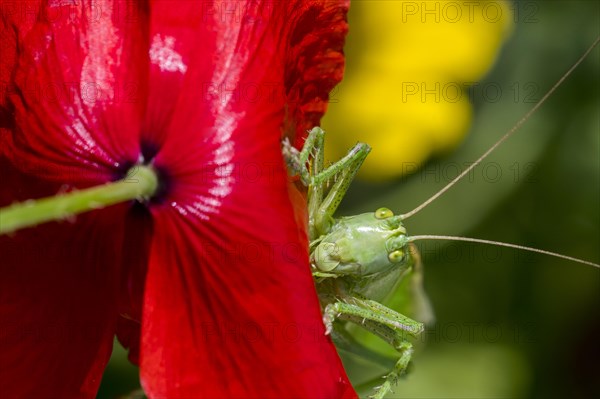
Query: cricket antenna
{"points": [[506, 136], [501, 244]]}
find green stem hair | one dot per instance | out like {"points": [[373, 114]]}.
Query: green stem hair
{"points": [[141, 182]]}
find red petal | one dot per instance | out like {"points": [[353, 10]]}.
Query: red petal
{"points": [[230, 306], [57, 299], [16, 19], [80, 89], [172, 39], [136, 250], [315, 63], [8, 49]]}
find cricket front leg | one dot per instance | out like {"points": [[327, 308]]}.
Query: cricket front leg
{"points": [[316, 177], [344, 172], [298, 161], [307, 163]]}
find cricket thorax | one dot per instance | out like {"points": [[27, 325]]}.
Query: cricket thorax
{"points": [[362, 245]]}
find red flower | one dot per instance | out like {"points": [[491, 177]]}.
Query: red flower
{"points": [[215, 267]]}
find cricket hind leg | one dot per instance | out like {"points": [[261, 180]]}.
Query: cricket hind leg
{"points": [[393, 327]]}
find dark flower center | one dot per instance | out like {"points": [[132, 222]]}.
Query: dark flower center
{"points": [[148, 153]]}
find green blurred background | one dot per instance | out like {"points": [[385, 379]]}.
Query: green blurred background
{"points": [[508, 324]]}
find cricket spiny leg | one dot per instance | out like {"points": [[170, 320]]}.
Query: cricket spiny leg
{"points": [[291, 156], [360, 311], [324, 275], [312, 146], [405, 349], [352, 160], [316, 190], [298, 161], [321, 211], [309, 164], [345, 170], [391, 326]]}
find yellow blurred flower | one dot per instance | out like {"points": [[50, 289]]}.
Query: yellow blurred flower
{"points": [[405, 91]]}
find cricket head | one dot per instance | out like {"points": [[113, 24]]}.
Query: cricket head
{"points": [[363, 245]]}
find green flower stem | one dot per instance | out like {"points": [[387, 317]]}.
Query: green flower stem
{"points": [[141, 183]]}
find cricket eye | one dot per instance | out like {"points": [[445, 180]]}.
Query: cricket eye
{"points": [[383, 213], [396, 256]]}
